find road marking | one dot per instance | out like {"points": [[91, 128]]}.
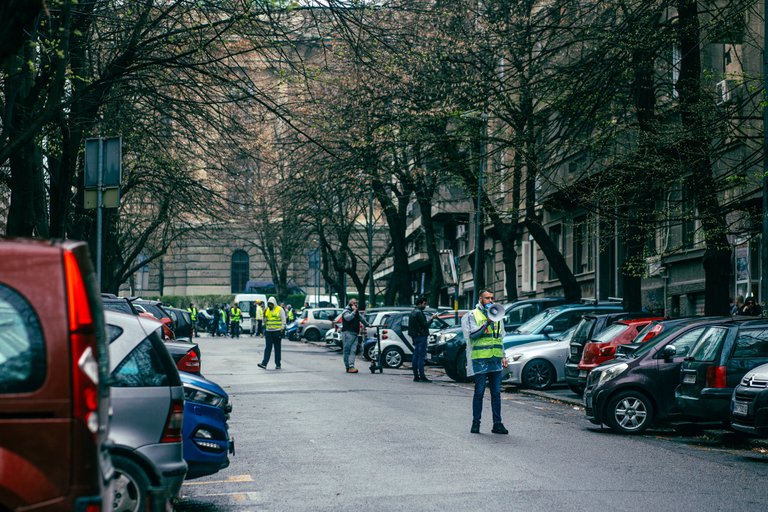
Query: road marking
{"points": [[231, 479]]}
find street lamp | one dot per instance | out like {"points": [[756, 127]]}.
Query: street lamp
{"points": [[478, 208]]}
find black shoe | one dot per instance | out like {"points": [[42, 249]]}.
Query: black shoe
{"points": [[424, 378], [416, 378], [262, 365], [498, 428], [475, 428], [277, 367]]}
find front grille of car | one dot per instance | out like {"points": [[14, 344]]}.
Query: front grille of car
{"points": [[588, 411], [754, 382]]}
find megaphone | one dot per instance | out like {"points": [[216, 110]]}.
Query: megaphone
{"points": [[495, 312]]}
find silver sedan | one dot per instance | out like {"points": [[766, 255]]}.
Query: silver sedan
{"points": [[540, 364]]}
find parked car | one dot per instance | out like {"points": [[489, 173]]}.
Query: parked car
{"points": [[602, 347], [156, 309], [182, 323], [54, 400], [315, 322], [538, 365], [206, 440], [749, 403], [518, 312], [396, 343], [147, 412], [717, 364], [633, 392], [588, 327]]}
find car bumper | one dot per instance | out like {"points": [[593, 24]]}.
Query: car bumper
{"points": [[168, 461], [594, 404], [574, 376], [752, 416], [513, 372]]}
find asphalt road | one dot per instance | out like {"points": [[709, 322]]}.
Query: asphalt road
{"points": [[310, 437]]}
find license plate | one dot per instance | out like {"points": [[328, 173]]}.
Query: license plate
{"points": [[741, 408], [583, 374], [689, 378]]}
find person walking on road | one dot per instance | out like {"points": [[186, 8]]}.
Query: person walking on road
{"points": [[418, 328], [350, 330], [275, 325], [485, 360], [235, 315], [192, 310]]}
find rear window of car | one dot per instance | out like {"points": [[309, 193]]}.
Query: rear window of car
{"points": [[610, 333], [22, 346], [751, 343], [120, 306], [583, 329], [709, 344], [144, 366]]}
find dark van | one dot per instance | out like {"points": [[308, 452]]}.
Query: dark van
{"points": [[54, 402], [717, 364]]}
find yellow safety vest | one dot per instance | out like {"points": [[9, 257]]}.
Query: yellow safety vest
{"points": [[234, 314], [274, 322], [489, 344], [192, 313]]}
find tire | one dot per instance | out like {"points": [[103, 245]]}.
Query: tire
{"points": [[539, 374], [629, 412], [130, 484], [392, 357], [576, 389], [312, 335], [457, 370], [370, 353]]}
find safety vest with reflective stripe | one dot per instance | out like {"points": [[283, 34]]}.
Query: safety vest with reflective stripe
{"points": [[489, 344], [234, 314], [274, 322], [192, 313]]}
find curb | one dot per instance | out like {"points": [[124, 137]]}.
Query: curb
{"points": [[552, 396]]}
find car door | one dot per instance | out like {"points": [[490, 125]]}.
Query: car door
{"points": [[705, 354], [665, 373]]}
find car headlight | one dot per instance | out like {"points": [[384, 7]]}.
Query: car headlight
{"points": [[445, 338], [201, 396], [612, 372]]}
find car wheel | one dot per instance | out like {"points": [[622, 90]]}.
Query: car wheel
{"points": [[457, 371], [130, 484], [370, 353], [392, 357], [630, 412], [312, 335], [576, 389], [538, 374]]}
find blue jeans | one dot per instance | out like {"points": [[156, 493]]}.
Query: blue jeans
{"points": [[494, 384], [419, 355]]}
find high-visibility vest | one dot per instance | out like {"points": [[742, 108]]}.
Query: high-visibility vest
{"points": [[234, 314], [488, 345], [274, 322], [192, 313], [259, 313], [289, 315]]}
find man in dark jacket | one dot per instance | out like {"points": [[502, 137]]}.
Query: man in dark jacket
{"points": [[418, 328]]}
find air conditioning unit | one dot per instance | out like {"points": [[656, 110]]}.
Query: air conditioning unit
{"points": [[724, 90]]}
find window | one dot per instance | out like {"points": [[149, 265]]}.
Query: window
{"points": [[684, 343], [239, 271], [556, 234], [752, 344], [709, 345], [583, 246], [520, 314], [689, 219], [22, 346], [143, 367]]}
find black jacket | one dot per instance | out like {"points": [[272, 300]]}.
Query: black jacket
{"points": [[418, 324]]}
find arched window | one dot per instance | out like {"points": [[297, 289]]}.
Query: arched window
{"points": [[239, 271]]}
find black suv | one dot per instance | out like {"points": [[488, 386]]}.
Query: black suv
{"points": [[590, 325], [717, 364]]}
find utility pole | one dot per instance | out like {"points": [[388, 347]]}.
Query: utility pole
{"points": [[764, 235], [478, 209]]}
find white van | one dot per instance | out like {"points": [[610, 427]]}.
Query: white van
{"points": [[244, 301], [322, 301]]}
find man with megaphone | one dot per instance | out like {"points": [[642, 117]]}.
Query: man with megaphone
{"points": [[484, 329]]}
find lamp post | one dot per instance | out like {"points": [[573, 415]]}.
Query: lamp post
{"points": [[478, 208], [764, 235], [372, 291]]}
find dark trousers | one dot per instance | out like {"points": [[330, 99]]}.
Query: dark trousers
{"points": [[494, 384], [259, 327], [273, 339], [234, 329], [419, 355]]}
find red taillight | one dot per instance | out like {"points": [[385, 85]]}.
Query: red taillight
{"points": [[172, 431], [85, 366], [384, 334], [607, 351], [716, 377], [189, 363], [588, 356], [656, 329]]}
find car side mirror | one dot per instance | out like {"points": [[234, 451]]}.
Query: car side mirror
{"points": [[548, 329], [668, 352]]}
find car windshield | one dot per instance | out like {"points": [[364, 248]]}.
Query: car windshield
{"points": [[538, 321], [610, 333]]}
